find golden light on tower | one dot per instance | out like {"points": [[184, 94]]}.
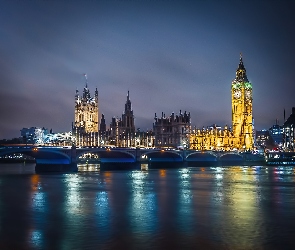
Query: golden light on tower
{"points": [[242, 98], [241, 135]]}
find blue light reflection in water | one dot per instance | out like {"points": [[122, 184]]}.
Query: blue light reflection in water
{"points": [[36, 239], [103, 215], [218, 190], [185, 201], [39, 212], [73, 194], [143, 207], [200, 208], [74, 210], [37, 195], [102, 206]]}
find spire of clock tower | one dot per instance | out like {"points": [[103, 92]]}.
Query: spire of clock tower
{"points": [[241, 75]]}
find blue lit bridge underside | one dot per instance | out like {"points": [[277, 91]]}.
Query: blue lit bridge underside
{"points": [[64, 159], [48, 159]]}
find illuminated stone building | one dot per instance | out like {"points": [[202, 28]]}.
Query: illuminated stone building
{"points": [[212, 138], [240, 137], [145, 139], [242, 120], [85, 127], [172, 131]]}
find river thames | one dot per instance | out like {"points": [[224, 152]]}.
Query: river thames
{"points": [[186, 208]]}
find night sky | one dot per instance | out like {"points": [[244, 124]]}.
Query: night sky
{"points": [[170, 55]]}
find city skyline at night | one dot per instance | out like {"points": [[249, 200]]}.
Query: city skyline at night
{"points": [[170, 55]]}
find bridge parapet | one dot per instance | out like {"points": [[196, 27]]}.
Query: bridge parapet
{"points": [[64, 156], [215, 153], [135, 153]]}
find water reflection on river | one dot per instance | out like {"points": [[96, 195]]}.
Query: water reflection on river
{"points": [[200, 208]]}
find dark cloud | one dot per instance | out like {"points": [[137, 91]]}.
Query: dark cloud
{"points": [[170, 55]]}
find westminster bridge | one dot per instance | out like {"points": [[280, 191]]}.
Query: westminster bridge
{"points": [[64, 159]]}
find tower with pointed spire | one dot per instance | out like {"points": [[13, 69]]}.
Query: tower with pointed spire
{"points": [[85, 126], [123, 129], [128, 117], [241, 135], [242, 98]]}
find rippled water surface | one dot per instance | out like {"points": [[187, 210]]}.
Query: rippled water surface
{"points": [[188, 208]]}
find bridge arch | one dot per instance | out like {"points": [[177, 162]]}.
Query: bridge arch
{"points": [[41, 155], [230, 157], [201, 156]]}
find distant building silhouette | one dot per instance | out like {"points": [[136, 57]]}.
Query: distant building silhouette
{"points": [[276, 132], [289, 130]]}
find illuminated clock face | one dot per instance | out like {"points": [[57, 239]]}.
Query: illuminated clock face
{"points": [[237, 94], [248, 94]]}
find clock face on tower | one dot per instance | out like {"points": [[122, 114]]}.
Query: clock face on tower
{"points": [[237, 94], [248, 94]]}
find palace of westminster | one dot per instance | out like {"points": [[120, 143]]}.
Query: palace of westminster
{"points": [[168, 131]]}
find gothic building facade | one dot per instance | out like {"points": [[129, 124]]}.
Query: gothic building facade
{"points": [[172, 131], [122, 130], [85, 127], [240, 137]]}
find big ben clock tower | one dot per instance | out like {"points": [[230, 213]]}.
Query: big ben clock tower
{"points": [[241, 91]]}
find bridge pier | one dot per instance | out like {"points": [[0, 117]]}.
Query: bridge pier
{"points": [[59, 166]]}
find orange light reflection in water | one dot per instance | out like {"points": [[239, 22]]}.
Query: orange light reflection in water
{"points": [[162, 172], [108, 176], [34, 181]]}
